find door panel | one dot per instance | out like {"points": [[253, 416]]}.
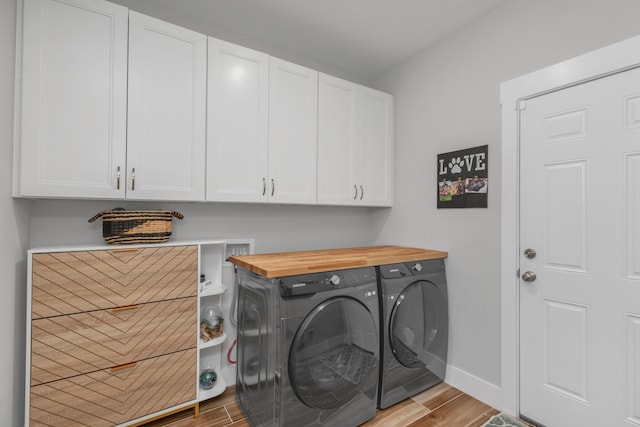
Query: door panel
{"points": [[565, 337], [293, 133], [375, 140], [580, 210], [333, 356], [416, 330], [337, 139], [633, 367], [565, 189], [632, 230], [237, 123], [73, 111], [167, 106]]}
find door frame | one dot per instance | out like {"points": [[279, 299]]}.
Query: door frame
{"points": [[609, 60]]}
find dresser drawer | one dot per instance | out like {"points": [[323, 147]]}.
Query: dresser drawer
{"points": [[74, 282], [109, 397], [74, 344]]}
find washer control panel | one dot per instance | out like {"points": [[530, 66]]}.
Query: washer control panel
{"points": [[326, 281]]}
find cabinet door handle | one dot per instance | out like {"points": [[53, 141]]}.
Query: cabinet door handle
{"points": [[118, 178], [126, 307], [125, 366], [361, 192], [125, 250], [133, 179], [264, 186], [355, 194], [273, 187]]}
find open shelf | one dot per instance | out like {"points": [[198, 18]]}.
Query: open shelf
{"points": [[212, 343], [212, 289], [217, 389]]}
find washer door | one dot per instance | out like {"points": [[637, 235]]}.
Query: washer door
{"points": [[418, 324], [333, 353]]}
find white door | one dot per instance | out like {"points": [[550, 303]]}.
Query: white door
{"points": [[580, 213], [73, 107], [338, 177], [375, 140], [237, 123], [167, 111], [293, 133]]}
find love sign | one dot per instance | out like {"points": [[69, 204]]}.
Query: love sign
{"points": [[463, 179]]}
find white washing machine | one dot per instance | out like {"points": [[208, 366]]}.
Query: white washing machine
{"points": [[308, 348], [414, 328]]}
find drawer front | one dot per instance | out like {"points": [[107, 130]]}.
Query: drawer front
{"points": [[109, 397], [66, 346], [74, 282]]}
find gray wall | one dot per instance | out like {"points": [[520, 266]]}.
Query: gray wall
{"points": [[447, 98], [14, 217], [275, 228]]}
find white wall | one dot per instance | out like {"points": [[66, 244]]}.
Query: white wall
{"points": [[447, 98]]}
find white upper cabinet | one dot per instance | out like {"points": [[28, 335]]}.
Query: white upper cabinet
{"points": [[355, 144], [75, 138], [262, 127], [237, 123], [113, 104], [71, 103], [167, 111], [293, 130], [375, 136], [338, 174]]}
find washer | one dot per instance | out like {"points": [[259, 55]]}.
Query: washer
{"points": [[308, 348], [414, 328]]}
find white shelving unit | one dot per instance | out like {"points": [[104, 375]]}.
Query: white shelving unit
{"points": [[213, 292]]}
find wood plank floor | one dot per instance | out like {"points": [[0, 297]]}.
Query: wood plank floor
{"points": [[439, 406]]}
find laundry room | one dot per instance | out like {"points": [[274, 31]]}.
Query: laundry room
{"points": [[441, 75]]}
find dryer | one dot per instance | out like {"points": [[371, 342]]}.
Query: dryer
{"points": [[414, 328], [308, 348]]}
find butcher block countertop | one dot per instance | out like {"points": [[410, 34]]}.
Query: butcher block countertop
{"points": [[294, 263]]}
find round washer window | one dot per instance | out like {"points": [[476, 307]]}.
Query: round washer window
{"points": [[334, 353], [415, 323]]}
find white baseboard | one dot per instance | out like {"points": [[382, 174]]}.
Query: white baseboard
{"points": [[482, 390]]}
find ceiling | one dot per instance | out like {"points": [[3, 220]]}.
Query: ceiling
{"points": [[364, 37]]}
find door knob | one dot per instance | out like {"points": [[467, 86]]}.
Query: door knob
{"points": [[529, 253], [529, 276]]}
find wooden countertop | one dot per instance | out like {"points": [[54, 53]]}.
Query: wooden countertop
{"points": [[294, 263]]}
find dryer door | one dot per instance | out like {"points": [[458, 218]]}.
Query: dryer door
{"points": [[334, 354], [418, 325]]}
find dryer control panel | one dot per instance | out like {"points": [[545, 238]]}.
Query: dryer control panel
{"points": [[408, 269]]}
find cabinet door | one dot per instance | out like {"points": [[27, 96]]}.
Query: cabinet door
{"points": [[72, 109], [337, 141], [167, 104], [293, 120], [376, 147], [237, 123]]}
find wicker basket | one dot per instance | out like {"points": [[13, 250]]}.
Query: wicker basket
{"points": [[120, 226]]}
